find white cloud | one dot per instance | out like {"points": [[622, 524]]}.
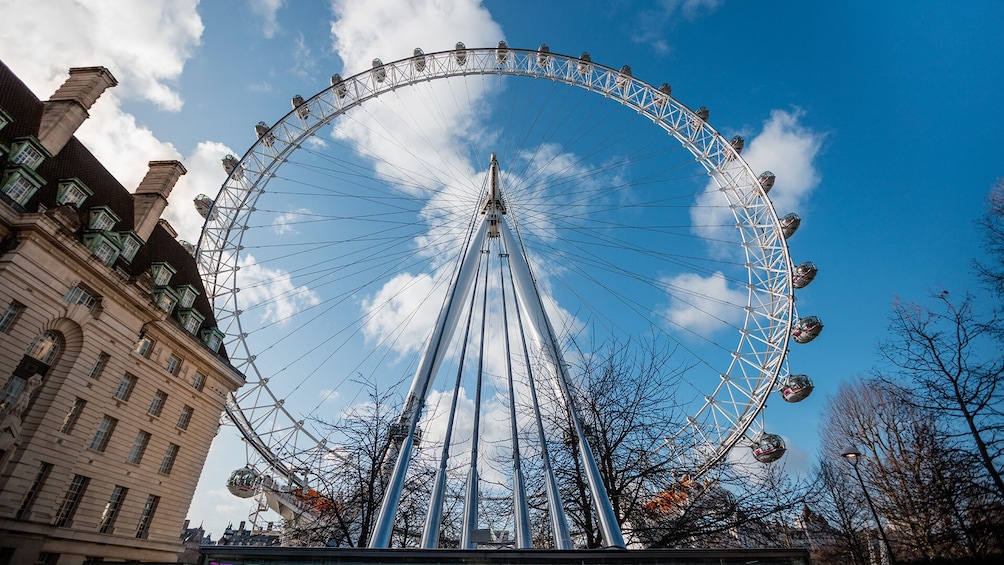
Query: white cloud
{"points": [[144, 44], [283, 223], [363, 31], [266, 10], [786, 148], [270, 294], [404, 311], [205, 176], [704, 305]]}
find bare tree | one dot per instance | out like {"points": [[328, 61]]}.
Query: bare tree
{"points": [[992, 226], [950, 363], [923, 481]]}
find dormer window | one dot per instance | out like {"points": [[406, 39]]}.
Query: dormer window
{"points": [[191, 319], [104, 245], [162, 273], [130, 244], [20, 187], [102, 218], [188, 294], [72, 191], [213, 338], [165, 298], [4, 118], [28, 152]]}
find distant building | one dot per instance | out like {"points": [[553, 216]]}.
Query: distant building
{"points": [[112, 373]]}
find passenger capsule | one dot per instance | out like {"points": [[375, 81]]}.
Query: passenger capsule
{"points": [[803, 274], [623, 77], [502, 53], [460, 54], [339, 85], [585, 64], [768, 448], [662, 98], [243, 482], [703, 113], [379, 72], [738, 144], [261, 129], [806, 329], [300, 106], [419, 59], [766, 180], [543, 55], [204, 206], [232, 167], [789, 224], [795, 388]]}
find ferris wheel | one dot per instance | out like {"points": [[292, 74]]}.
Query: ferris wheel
{"points": [[506, 209]]}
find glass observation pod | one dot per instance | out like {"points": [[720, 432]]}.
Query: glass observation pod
{"points": [[803, 274], [460, 53], [339, 85], [795, 388], [789, 224], [204, 206], [665, 91], [806, 329], [738, 143], [379, 72], [302, 110], [543, 55], [261, 129], [419, 61], [768, 448], [233, 167], [585, 64], [623, 78], [243, 483], [502, 52], [766, 179]]}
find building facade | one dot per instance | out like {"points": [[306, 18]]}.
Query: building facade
{"points": [[112, 372]]}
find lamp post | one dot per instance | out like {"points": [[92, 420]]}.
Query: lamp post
{"points": [[852, 454]]}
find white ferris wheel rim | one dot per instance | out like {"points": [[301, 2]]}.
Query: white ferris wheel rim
{"points": [[759, 358]]}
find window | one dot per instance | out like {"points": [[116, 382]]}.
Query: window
{"points": [[36, 485], [20, 189], [165, 299], [111, 511], [130, 245], [138, 448], [191, 320], [145, 346], [161, 273], [188, 295], [198, 381], [102, 218], [79, 295], [157, 405], [185, 417], [167, 463], [10, 316], [125, 388], [173, 365], [149, 509], [213, 338], [99, 365], [70, 501], [72, 191], [46, 558], [104, 251], [70, 420], [28, 156], [45, 347], [104, 433]]}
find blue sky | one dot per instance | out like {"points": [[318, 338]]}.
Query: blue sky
{"points": [[897, 103]]}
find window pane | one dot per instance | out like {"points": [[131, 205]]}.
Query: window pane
{"points": [[167, 463], [185, 417], [104, 432], [111, 511], [70, 500], [126, 385], [157, 405], [70, 420], [138, 448]]}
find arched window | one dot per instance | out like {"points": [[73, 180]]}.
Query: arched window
{"points": [[45, 347]]}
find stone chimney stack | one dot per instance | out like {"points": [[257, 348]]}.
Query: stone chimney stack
{"points": [[150, 197], [63, 113]]}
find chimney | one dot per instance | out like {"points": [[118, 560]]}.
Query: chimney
{"points": [[150, 197], [63, 113]]}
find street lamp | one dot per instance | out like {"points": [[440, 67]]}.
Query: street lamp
{"points": [[852, 454]]}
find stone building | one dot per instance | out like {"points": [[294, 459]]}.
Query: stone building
{"points": [[112, 373]]}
